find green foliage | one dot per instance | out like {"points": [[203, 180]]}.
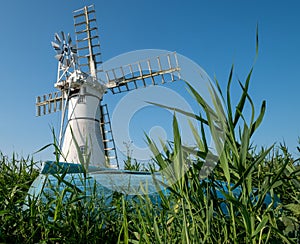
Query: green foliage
{"points": [[236, 194], [75, 220], [237, 212], [133, 164]]}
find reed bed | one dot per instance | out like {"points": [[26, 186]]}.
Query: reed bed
{"points": [[252, 195]]}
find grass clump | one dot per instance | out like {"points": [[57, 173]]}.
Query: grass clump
{"points": [[72, 219], [15, 179]]}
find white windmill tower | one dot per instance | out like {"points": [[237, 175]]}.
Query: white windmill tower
{"points": [[85, 133]]}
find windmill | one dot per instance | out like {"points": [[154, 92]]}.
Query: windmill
{"points": [[85, 130]]}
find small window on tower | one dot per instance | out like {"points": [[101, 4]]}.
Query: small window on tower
{"points": [[82, 150], [81, 99]]}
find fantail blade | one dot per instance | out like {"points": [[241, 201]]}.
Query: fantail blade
{"points": [[57, 38]]}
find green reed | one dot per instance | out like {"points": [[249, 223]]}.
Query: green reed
{"points": [[242, 194]]}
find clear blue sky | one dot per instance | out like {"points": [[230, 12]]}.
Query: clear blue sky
{"points": [[213, 33]]}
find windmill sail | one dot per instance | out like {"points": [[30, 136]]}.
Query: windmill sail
{"points": [[158, 70], [87, 40], [49, 103]]}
